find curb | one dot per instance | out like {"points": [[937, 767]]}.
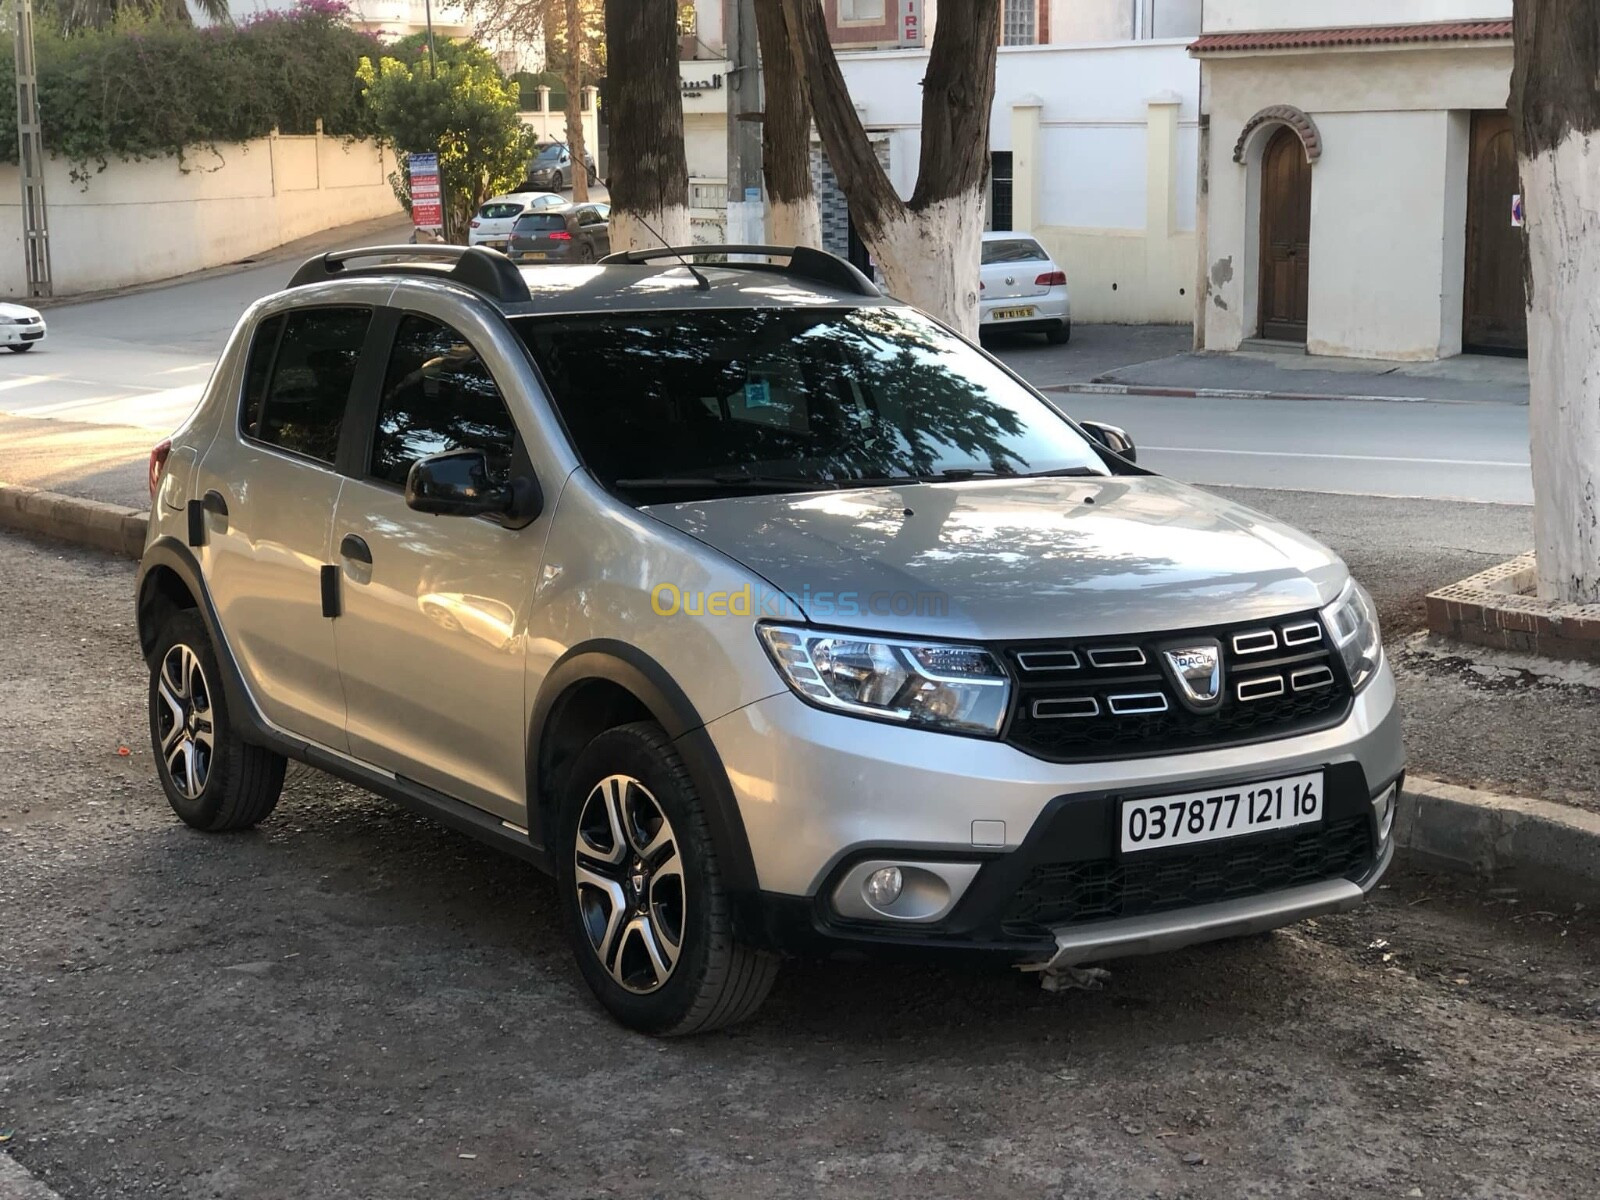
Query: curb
{"points": [[17, 1184], [89, 523], [1553, 847], [1182, 393]]}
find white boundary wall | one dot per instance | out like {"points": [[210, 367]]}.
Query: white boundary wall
{"points": [[140, 221], [1105, 150]]}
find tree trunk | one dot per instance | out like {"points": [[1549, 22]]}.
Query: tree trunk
{"points": [[649, 176], [574, 81], [1555, 110], [792, 216], [928, 250]]}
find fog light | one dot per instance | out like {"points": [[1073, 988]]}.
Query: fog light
{"points": [[883, 888], [1383, 807]]}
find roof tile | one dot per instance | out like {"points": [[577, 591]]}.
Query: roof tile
{"points": [[1360, 35]]}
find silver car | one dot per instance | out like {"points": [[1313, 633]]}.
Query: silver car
{"points": [[763, 611]]}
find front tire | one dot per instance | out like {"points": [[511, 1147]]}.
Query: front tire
{"points": [[213, 780], [642, 893], [20, 348]]}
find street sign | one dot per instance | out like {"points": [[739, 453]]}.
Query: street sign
{"points": [[427, 207], [908, 22]]}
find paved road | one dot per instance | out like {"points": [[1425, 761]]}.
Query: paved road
{"points": [[353, 1002]]}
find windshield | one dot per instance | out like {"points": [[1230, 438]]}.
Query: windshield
{"points": [[1013, 250], [533, 222], [790, 398], [551, 153]]}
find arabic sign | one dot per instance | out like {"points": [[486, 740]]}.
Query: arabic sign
{"points": [[427, 208]]}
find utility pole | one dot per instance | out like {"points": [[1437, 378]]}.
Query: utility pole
{"points": [[30, 155], [745, 209]]}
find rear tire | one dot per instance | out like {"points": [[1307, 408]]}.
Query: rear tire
{"points": [[637, 868], [213, 780], [1060, 335]]}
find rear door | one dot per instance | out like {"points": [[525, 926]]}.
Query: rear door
{"points": [[431, 638], [1011, 268], [270, 489]]}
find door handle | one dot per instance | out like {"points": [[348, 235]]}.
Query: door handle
{"points": [[355, 548]]}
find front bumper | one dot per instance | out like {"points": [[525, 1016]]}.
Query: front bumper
{"points": [[17, 335], [821, 793]]}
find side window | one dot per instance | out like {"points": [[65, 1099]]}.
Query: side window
{"points": [[257, 370], [438, 395], [588, 217], [303, 403]]}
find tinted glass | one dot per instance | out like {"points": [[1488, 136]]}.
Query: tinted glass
{"points": [[438, 396], [551, 154], [500, 211], [813, 396], [311, 379], [256, 371], [534, 222], [1013, 250]]}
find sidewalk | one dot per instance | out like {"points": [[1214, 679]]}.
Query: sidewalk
{"points": [[1263, 372]]}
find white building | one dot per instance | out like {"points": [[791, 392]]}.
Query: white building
{"points": [[1359, 177], [393, 19], [1094, 136]]}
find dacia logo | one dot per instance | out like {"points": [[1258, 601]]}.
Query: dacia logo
{"points": [[1197, 672]]}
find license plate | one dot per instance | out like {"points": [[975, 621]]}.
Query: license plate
{"points": [[1209, 816], [1011, 314], [534, 254]]}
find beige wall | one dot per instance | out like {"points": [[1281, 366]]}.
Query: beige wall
{"points": [[1388, 211], [140, 221], [1090, 21], [1228, 16]]}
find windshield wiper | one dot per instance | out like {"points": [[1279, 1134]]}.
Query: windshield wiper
{"points": [[756, 482], [1063, 472]]}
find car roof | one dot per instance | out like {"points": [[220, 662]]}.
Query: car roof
{"points": [[1007, 235], [516, 197], [621, 286]]}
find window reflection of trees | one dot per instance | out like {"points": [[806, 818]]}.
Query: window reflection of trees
{"points": [[831, 396], [438, 396]]}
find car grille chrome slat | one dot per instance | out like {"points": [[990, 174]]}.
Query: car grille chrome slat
{"points": [[1120, 701]]}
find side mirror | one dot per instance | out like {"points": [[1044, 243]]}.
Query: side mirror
{"points": [[457, 484], [1112, 438]]}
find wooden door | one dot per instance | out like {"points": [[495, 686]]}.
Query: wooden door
{"points": [[1285, 238], [1496, 314]]}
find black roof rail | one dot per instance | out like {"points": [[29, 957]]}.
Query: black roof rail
{"points": [[477, 267], [805, 262]]}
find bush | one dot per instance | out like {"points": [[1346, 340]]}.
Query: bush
{"points": [[143, 90]]}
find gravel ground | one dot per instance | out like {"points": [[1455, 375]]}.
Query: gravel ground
{"points": [[354, 1002]]}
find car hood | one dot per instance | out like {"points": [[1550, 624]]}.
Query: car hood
{"points": [[1014, 559], [12, 311]]}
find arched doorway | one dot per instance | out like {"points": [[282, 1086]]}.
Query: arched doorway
{"points": [[1285, 238]]}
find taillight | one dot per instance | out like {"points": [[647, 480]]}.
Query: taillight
{"points": [[1052, 279], [561, 235], [158, 464], [474, 222], [982, 286]]}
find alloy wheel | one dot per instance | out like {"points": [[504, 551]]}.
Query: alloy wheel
{"points": [[629, 876], [184, 725]]}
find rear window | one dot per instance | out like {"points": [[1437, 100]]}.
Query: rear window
{"points": [[499, 212], [1013, 250], [534, 222]]}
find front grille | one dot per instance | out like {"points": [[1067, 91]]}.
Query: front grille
{"points": [[1107, 698], [1056, 894]]}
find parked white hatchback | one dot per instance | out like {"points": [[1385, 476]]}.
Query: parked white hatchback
{"points": [[491, 224], [21, 327], [1022, 289]]}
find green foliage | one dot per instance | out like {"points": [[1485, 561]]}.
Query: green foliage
{"points": [[143, 88], [467, 115]]}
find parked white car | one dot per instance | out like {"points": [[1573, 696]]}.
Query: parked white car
{"points": [[21, 327], [1022, 289], [491, 226]]}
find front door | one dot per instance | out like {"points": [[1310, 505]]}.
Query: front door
{"points": [[1496, 314], [431, 639], [1285, 238]]}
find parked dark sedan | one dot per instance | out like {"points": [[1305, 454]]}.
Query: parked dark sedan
{"points": [[552, 168], [571, 233]]}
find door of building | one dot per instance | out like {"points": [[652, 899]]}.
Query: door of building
{"points": [[1285, 238], [1496, 314]]}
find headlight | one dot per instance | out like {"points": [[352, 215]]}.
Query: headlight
{"points": [[1352, 622], [934, 684]]}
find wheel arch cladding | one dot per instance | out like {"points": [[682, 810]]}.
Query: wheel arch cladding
{"points": [[164, 589], [600, 684]]}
